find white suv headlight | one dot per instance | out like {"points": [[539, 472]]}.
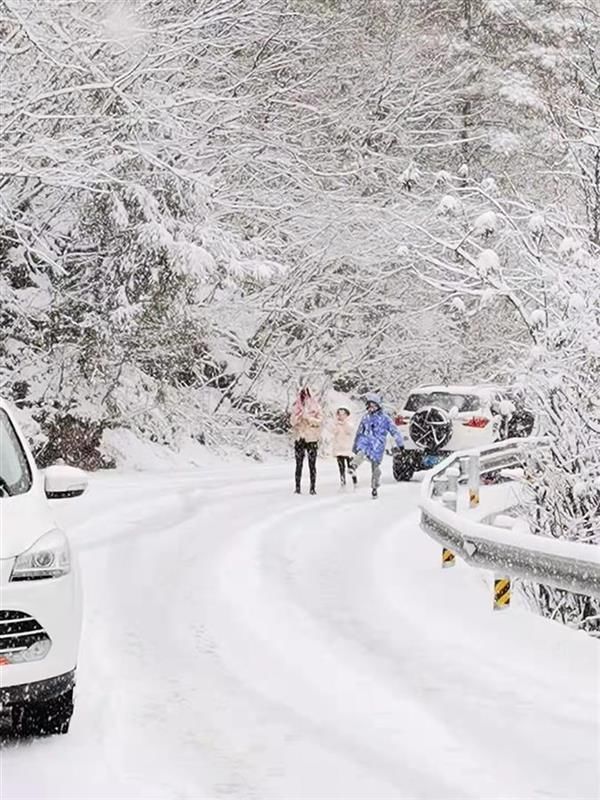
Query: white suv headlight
{"points": [[49, 557]]}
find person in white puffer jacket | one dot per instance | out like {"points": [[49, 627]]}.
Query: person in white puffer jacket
{"points": [[343, 439]]}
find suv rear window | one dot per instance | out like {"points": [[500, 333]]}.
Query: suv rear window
{"points": [[15, 473], [445, 400]]}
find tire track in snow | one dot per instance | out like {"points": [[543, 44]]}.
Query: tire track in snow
{"points": [[138, 723], [347, 586], [291, 661], [189, 758]]}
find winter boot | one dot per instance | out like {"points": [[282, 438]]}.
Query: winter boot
{"points": [[297, 490], [313, 490], [374, 494]]}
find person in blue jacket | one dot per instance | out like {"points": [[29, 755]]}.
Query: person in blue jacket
{"points": [[369, 443]]}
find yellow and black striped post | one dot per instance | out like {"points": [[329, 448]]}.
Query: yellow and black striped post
{"points": [[501, 593], [448, 558], [473, 498]]}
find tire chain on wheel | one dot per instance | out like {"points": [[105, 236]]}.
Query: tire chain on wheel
{"points": [[403, 467]]}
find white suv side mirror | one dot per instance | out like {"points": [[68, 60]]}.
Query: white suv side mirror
{"points": [[61, 481]]}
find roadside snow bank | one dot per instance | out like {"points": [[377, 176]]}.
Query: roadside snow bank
{"points": [[129, 452]]}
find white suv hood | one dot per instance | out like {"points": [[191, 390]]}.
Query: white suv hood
{"points": [[23, 519]]}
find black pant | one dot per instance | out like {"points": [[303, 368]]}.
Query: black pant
{"points": [[343, 463], [310, 448]]}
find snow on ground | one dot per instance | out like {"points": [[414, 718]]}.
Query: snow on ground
{"points": [[242, 642]]}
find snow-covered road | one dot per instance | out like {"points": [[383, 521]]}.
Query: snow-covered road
{"points": [[242, 642]]}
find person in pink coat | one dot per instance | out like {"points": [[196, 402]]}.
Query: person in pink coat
{"points": [[343, 439], [306, 420]]}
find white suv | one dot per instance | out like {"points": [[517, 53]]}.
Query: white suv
{"points": [[40, 594], [438, 420]]}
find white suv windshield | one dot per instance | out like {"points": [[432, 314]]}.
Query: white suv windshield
{"points": [[443, 400], [15, 475]]}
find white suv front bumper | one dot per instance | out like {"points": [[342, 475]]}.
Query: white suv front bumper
{"points": [[36, 610]]}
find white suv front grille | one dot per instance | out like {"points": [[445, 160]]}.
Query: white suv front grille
{"points": [[18, 631]]}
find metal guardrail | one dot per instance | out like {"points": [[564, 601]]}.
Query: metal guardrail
{"points": [[573, 566]]}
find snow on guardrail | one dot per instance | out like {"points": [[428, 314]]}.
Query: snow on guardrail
{"points": [[511, 552]]}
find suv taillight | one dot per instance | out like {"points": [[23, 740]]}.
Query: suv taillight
{"points": [[476, 422]]}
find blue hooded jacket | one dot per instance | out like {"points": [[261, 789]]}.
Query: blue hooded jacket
{"points": [[373, 431]]}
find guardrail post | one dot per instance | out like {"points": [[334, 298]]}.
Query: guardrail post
{"points": [[453, 474], [501, 593], [449, 500], [448, 557], [474, 480], [439, 485]]}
